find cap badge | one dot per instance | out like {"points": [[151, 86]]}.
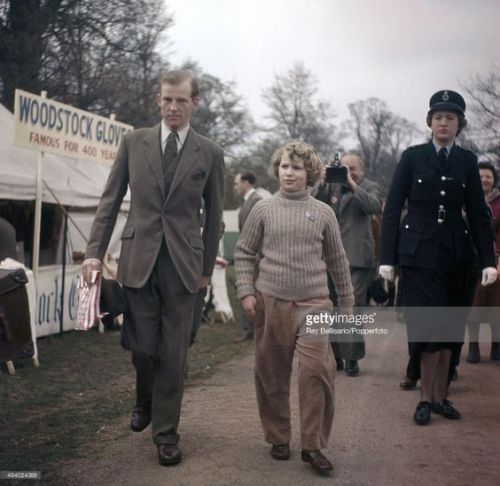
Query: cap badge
{"points": [[445, 96]]}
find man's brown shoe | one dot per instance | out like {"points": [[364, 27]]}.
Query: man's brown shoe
{"points": [[281, 452], [317, 461], [169, 454]]}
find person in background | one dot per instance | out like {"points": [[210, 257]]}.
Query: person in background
{"points": [[433, 245], [244, 186], [298, 240], [487, 296]]}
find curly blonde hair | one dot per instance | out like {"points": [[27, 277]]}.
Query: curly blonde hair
{"points": [[297, 150]]}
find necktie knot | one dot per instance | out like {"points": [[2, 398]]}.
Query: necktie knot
{"points": [[443, 154]]}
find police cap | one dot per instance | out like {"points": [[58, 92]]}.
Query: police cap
{"points": [[447, 100]]}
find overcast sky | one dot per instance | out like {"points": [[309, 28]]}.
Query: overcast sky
{"points": [[400, 51]]}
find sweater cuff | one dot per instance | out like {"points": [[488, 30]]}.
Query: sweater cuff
{"points": [[346, 301], [245, 290]]}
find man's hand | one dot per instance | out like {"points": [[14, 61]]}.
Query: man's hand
{"points": [[88, 265], [204, 281], [249, 303], [489, 276], [387, 272]]}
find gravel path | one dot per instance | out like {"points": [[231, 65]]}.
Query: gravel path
{"points": [[374, 441]]}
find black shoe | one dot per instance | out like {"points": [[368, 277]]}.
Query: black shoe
{"points": [[281, 452], [422, 415], [317, 461], [340, 364], [473, 356], [495, 352], [141, 418], [169, 454], [351, 368], [408, 384], [446, 409]]}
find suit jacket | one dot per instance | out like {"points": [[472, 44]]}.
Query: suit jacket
{"points": [[421, 241], [156, 215], [354, 213], [246, 207]]}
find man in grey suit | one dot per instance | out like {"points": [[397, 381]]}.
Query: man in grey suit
{"points": [[244, 185], [164, 259], [356, 203]]}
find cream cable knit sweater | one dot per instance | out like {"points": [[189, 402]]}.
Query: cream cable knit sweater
{"points": [[296, 238]]}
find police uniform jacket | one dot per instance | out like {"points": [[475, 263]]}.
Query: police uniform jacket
{"points": [[434, 234]]}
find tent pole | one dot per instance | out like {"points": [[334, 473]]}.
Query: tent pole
{"points": [[63, 280]]}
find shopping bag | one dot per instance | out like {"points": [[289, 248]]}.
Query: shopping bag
{"points": [[88, 311]]}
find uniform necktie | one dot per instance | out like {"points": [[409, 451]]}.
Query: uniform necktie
{"points": [[443, 156], [170, 151]]}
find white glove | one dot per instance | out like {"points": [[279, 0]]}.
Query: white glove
{"points": [[489, 276], [386, 271]]}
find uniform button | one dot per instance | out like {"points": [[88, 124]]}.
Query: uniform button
{"points": [[443, 193], [466, 232], [407, 226], [420, 181], [463, 185], [443, 178]]}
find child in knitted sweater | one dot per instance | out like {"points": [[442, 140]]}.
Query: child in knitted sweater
{"points": [[295, 239]]}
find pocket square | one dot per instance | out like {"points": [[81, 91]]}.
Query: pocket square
{"points": [[201, 174]]}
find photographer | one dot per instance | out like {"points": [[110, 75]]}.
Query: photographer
{"points": [[355, 199]]}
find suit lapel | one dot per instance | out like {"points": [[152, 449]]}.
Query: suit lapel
{"points": [[188, 157], [152, 151]]}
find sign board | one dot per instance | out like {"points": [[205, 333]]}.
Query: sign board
{"points": [[48, 308], [46, 125]]}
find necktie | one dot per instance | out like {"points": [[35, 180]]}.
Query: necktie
{"points": [[170, 151], [443, 156]]}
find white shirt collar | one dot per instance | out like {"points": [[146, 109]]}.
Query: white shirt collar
{"points": [[165, 132], [248, 194], [437, 146]]}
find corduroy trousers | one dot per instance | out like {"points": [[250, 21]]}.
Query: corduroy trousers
{"points": [[279, 334]]}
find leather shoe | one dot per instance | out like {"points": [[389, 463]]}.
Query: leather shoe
{"points": [[473, 356], [141, 418], [244, 337], [281, 452], [495, 351], [351, 368], [446, 409], [422, 415], [317, 461], [408, 384], [169, 454]]}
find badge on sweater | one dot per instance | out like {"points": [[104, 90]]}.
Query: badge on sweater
{"points": [[310, 216]]}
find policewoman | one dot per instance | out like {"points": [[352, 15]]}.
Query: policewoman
{"points": [[447, 221]]}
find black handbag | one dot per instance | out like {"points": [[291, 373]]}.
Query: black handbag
{"points": [[112, 299], [377, 291]]}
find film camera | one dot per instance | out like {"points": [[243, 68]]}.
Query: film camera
{"points": [[336, 173]]}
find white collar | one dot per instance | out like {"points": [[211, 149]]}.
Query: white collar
{"points": [[248, 194], [165, 132]]}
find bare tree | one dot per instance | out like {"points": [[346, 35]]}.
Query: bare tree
{"points": [[98, 56], [380, 136], [295, 111], [484, 106], [221, 114]]}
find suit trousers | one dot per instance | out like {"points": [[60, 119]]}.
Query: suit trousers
{"points": [[279, 333], [162, 313], [361, 278]]}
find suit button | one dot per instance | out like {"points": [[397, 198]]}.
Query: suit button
{"points": [[443, 193], [443, 178], [407, 226]]}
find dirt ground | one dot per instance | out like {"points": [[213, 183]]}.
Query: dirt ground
{"points": [[374, 440]]}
